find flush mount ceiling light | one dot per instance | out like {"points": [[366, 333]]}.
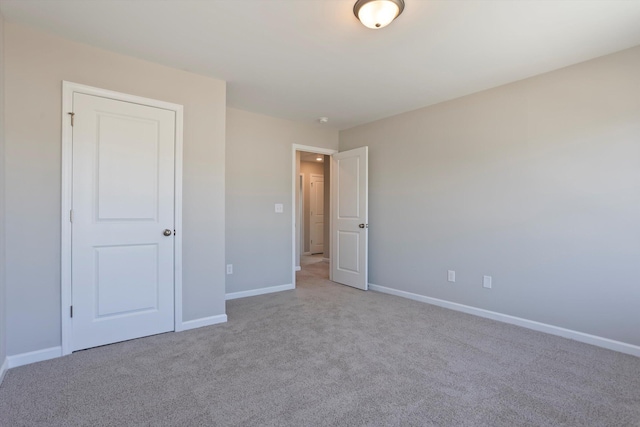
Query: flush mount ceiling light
{"points": [[377, 13]]}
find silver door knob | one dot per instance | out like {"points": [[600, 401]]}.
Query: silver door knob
{"points": [[167, 232]]}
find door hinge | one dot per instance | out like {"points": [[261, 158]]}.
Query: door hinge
{"points": [[71, 311], [72, 115], [71, 215]]}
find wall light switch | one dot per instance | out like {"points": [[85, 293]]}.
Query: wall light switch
{"points": [[279, 208], [486, 282], [451, 275]]}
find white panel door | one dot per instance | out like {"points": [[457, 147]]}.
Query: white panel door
{"points": [[122, 270], [350, 216], [316, 217]]}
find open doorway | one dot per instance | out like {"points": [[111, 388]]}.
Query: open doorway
{"points": [[312, 214], [347, 212], [311, 178]]}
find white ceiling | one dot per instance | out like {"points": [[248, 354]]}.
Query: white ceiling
{"points": [[303, 59]]}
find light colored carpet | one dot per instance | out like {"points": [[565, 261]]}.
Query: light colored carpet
{"points": [[328, 355]]}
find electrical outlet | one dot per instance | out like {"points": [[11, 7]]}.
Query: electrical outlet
{"points": [[229, 268], [279, 208], [451, 275], [486, 282]]}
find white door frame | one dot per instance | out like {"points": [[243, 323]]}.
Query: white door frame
{"points": [[299, 223], [68, 89], [294, 178]]}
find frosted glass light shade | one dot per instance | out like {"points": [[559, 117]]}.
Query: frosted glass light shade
{"points": [[377, 13]]}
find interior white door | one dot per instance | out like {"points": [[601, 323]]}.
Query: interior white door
{"points": [[350, 216], [316, 217], [123, 181]]}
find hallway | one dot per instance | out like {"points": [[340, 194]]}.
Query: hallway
{"points": [[313, 268]]}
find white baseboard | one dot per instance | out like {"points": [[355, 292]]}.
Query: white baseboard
{"points": [[33, 357], [3, 369], [53, 352], [298, 268], [205, 321], [607, 343], [259, 291]]}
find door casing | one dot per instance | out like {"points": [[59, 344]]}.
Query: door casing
{"points": [[68, 89]]}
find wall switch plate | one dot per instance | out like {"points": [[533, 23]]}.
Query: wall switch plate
{"points": [[229, 268], [279, 208], [451, 275], [486, 282]]}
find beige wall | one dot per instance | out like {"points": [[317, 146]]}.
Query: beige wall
{"points": [[3, 330], [536, 183], [307, 169], [259, 162], [35, 66]]}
